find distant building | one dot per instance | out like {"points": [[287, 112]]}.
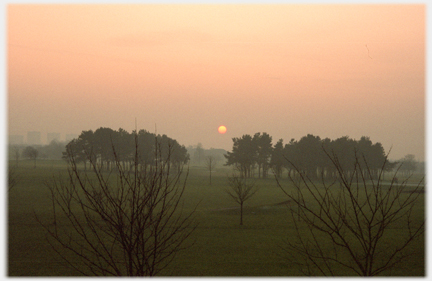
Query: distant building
{"points": [[16, 139], [34, 138], [70, 137], [53, 136]]}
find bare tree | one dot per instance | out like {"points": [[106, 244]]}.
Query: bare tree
{"points": [[210, 164], [350, 223], [127, 222], [240, 190], [13, 176]]}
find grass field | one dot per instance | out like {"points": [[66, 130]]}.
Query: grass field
{"points": [[222, 247]]}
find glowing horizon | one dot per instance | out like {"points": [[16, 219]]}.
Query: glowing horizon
{"points": [[288, 70]]}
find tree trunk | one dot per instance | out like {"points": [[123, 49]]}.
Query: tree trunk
{"points": [[241, 213]]}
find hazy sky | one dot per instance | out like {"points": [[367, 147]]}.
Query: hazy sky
{"points": [[288, 70]]}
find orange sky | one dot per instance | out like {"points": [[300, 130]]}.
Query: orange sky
{"points": [[288, 70]]}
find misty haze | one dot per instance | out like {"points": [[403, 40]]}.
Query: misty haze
{"points": [[215, 140]]}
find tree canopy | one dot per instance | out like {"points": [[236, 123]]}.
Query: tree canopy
{"points": [[306, 155], [107, 145]]}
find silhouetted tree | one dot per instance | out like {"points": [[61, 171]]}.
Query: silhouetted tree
{"points": [[81, 148], [240, 190], [123, 143], [125, 223], [103, 146], [349, 226], [104, 141], [344, 149], [290, 151], [263, 151], [179, 154], [306, 153], [243, 155], [309, 153], [277, 160], [146, 148]]}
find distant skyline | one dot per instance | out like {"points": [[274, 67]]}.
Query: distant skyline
{"points": [[287, 70], [39, 138]]}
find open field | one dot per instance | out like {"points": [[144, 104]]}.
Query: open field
{"points": [[222, 246]]}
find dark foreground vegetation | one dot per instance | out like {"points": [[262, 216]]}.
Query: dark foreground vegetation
{"points": [[105, 212]]}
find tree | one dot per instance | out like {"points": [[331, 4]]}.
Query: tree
{"points": [[240, 190], [309, 149], [128, 222], [409, 164], [81, 148], [263, 147], [146, 149], [123, 143], [31, 153], [54, 150], [104, 141], [103, 145], [290, 151], [277, 160], [243, 155], [179, 154], [210, 164], [351, 226]]}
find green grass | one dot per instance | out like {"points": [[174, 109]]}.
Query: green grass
{"points": [[222, 247]]}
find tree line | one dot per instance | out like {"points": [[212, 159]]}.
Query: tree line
{"points": [[308, 155], [107, 146], [135, 225]]}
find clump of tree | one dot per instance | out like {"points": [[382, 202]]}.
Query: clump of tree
{"points": [[349, 223], [126, 222], [408, 165], [243, 155], [103, 141], [240, 190], [199, 154], [250, 152], [53, 150]]}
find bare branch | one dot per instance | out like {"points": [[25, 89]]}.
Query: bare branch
{"points": [[120, 222], [349, 225]]}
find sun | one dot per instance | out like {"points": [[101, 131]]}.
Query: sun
{"points": [[222, 129]]}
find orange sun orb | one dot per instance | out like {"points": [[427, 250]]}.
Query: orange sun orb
{"points": [[222, 129]]}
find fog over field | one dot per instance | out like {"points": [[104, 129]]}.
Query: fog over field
{"points": [[230, 140], [184, 70]]}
